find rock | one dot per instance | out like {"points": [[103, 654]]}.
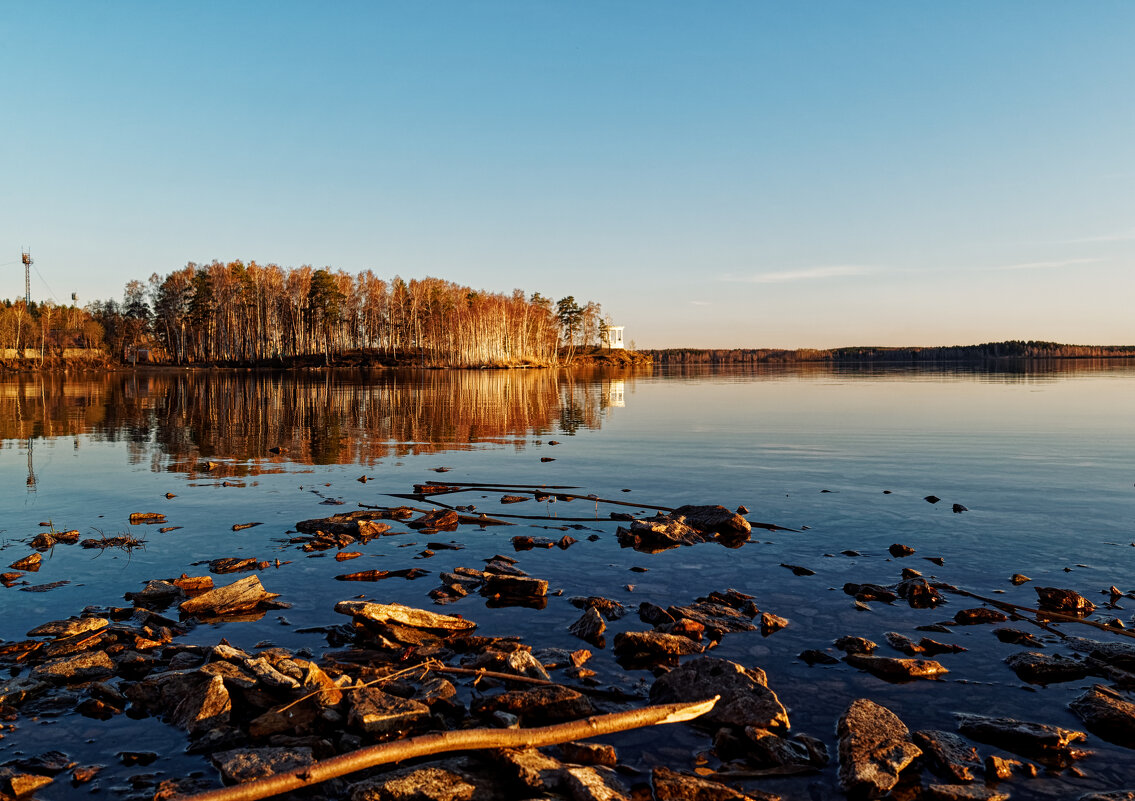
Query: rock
{"points": [[530, 768], [669, 785], [646, 645], [746, 699], [589, 753], [957, 508], [1042, 669], [932, 499], [716, 520], [611, 610], [1017, 637], [147, 517], [874, 747], [1000, 768], [813, 656], [1107, 714], [919, 593], [81, 667], [397, 614], [658, 533], [438, 519], [978, 615], [594, 784], [206, 707], [29, 563], [855, 645], [1116, 654], [714, 616], [451, 780], [1114, 795], [903, 643], [1018, 578], [14, 692], [497, 584], [379, 714], [247, 764], [1054, 599], [963, 792], [891, 669], [949, 755], [869, 592], [69, 628], [589, 627], [540, 706], [240, 596], [1051, 745], [898, 550], [16, 783], [653, 615], [766, 749], [771, 623]]}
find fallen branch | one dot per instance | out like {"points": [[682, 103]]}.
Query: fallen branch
{"points": [[1041, 612], [459, 740]]}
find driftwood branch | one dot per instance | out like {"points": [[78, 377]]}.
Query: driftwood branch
{"points": [[459, 740], [1042, 612]]}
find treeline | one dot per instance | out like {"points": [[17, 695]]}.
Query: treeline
{"points": [[1013, 349], [252, 314]]}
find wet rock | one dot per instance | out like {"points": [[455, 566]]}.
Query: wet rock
{"points": [[1017, 637], [963, 792], [813, 656], [1069, 602], [205, 707], [658, 533], [978, 615], [899, 550], [669, 785], [948, 755], [1042, 669], [530, 768], [714, 616], [653, 615], [589, 627], [611, 610], [715, 519], [903, 643], [919, 593], [1018, 578], [933, 647], [855, 645], [1116, 654], [397, 614], [874, 747], [957, 508], [29, 563], [380, 714], [438, 519], [1051, 745], [869, 592], [746, 699], [765, 749], [240, 596], [1107, 713], [588, 753], [450, 780], [585, 783], [247, 764], [998, 768], [519, 587], [1114, 795], [16, 691], [932, 499], [81, 667], [646, 645], [891, 669], [360, 523], [16, 783], [538, 707], [799, 570], [70, 627], [771, 623]]}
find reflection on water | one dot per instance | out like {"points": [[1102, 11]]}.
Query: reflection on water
{"points": [[313, 418]]}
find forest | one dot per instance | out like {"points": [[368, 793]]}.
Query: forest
{"points": [[251, 314]]}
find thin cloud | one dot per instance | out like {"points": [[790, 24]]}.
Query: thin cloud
{"points": [[1048, 265], [1123, 236], [700, 303], [806, 274]]}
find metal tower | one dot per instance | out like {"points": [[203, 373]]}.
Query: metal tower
{"points": [[26, 258]]}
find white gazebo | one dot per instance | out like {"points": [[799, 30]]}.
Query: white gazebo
{"points": [[613, 337]]}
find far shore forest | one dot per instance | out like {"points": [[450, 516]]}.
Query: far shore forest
{"points": [[237, 314]]}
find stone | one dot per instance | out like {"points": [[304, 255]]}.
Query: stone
{"points": [[157, 594], [589, 627], [1017, 637], [1069, 602], [899, 550], [240, 596], [530, 768], [1018, 578], [206, 707], [874, 747], [29, 563], [771, 623], [978, 615], [585, 783], [379, 714], [1043, 669], [438, 519], [813, 656], [539, 706], [746, 699], [1106, 713], [611, 610], [949, 755], [765, 749], [892, 669], [81, 667], [714, 616], [17, 783], [16, 691], [714, 519], [497, 584], [589, 753], [451, 780], [1051, 745], [403, 616], [69, 628], [658, 533], [247, 764], [998, 768], [653, 615], [919, 593], [963, 792], [669, 785], [855, 645], [645, 645], [1113, 795]]}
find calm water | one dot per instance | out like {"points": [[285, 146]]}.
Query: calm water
{"points": [[1043, 457]]}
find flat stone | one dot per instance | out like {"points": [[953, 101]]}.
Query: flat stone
{"points": [[589, 627], [964, 792], [766, 749], [14, 692], [669, 785], [206, 707], [919, 593], [81, 667], [589, 753], [874, 747], [242, 595], [585, 783], [746, 699], [379, 714], [652, 644], [855, 645], [543, 705], [514, 586], [893, 669], [247, 764], [1044, 669], [445, 781], [403, 616], [998, 768], [17, 783], [1070, 602], [531, 768], [1107, 714], [716, 519], [609, 609], [948, 755], [69, 628], [978, 615], [1049, 744]]}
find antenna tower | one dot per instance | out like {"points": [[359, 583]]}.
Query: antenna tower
{"points": [[26, 258]]}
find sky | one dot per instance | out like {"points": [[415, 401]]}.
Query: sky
{"points": [[726, 174]]}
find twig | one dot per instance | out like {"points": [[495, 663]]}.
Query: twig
{"points": [[459, 740], [618, 695]]}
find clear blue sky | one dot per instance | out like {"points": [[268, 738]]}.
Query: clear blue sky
{"points": [[792, 174]]}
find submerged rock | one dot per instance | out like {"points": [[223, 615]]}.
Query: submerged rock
{"points": [[1043, 669], [1049, 744], [874, 747], [949, 755], [1107, 714]]}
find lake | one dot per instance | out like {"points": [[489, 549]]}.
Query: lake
{"points": [[1041, 457]]}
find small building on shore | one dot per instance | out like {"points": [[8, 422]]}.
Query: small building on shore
{"points": [[613, 337]]}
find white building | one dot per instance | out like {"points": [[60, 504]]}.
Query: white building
{"points": [[613, 337]]}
